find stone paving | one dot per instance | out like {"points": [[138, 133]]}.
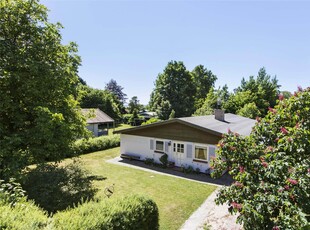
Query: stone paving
{"points": [[208, 215]]}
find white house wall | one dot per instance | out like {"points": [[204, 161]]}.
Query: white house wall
{"points": [[138, 145], [93, 128]]}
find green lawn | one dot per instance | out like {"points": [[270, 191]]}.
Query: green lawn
{"points": [[176, 198]]}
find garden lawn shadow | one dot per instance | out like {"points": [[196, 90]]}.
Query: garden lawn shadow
{"points": [[55, 188]]}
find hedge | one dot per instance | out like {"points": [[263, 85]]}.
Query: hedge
{"points": [[83, 146], [133, 212], [24, 215]]}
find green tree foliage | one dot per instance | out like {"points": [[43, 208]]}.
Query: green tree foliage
{"points": [[270, 168], [204, 80], [39, 118], [116, 90], [54, 187], [249, 110], [212, 102], [174, 89], [102, 99], [134, 105], [262, 90]]}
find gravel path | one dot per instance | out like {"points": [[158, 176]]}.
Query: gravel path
{"points": [[211, 216]]}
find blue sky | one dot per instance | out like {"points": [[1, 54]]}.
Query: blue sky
{"points": [[132, 41]]}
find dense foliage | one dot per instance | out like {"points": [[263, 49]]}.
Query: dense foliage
{"points": [[89, 145], [253, 97], [136, 213], [39, 118], [102, 99], [271, 168], [56, 187], [204, 80], [116, 90], [174, 90]]}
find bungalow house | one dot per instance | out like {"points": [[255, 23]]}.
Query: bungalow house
{"points": [[188, 141], [97, 121]]}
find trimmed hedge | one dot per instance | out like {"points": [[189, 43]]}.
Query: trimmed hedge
{"points": [[24, 215], [83, 146], [133, 212]]}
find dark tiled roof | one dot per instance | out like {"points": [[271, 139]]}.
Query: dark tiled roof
{"points": [[235, 123], [99, 116]]}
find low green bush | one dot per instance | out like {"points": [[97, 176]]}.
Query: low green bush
{"points": [[134, 213], [149, 161], [24, 215], [54, 187], [164, 160], [89, 145]]}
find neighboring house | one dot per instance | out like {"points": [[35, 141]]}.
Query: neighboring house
{"points": [[188, 141], [98, 122], [147, 115]]}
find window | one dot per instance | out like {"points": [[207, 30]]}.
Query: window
{"points": [[178, 147], [159, 146], [201, 153]]}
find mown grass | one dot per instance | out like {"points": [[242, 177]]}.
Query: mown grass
{"points": [[176, 198], [119, 127]]}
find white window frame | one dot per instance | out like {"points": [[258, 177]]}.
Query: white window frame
{"points": [[159, 150], [176, 147]]}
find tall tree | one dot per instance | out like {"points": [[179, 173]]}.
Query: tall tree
{"points": [[117, 90], [262, 90], [134, 104], [204, 80], [174, 90], [270, 168], [39, 118], [102, 99]]}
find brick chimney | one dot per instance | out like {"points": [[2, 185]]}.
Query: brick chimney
{"points": [[219, 114]]}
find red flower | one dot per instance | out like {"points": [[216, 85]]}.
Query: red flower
{"points": [[265, 164], [275, 228], [272, 110], [292, 181], [299, 88], [289, 139], [281, 97], [258, 119], [229, 131], [268, 149], [286, 187], [309, 170], [241, 169], [238, 184], [232, 148], [277, 139], [236, 205], [297, 125], [284, 130]]}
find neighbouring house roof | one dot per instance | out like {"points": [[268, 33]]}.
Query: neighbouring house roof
{"points": [[96, 116], [209, 124]]}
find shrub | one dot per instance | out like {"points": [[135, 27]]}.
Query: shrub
{"points": [[83, 146], [270, 168], [149, 161], [55, 188], [24, 215], [164, 160], [10, 192], [188, 169], [128, 213]]}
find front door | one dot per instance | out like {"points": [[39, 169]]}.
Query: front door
{"points": [[178, 150]]}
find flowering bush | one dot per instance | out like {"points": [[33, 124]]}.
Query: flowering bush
{"points": [[270, 168]]}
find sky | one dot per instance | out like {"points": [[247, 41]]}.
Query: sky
{"points": [[132, 41]]}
